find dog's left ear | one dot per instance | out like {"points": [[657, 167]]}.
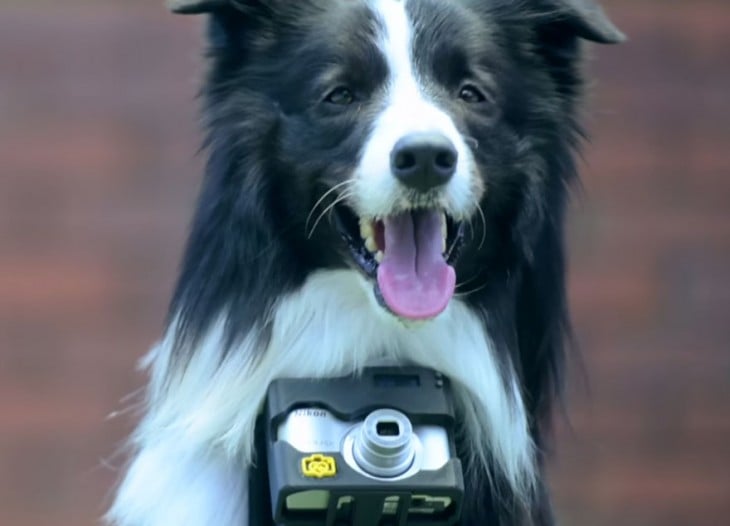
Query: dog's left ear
{"points": [[194, 7], [588, 20]]}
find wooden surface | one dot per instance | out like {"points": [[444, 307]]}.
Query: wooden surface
{"points": [[97, 148]]}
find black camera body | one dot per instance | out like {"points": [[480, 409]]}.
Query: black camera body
{"points": [[376, 449]]}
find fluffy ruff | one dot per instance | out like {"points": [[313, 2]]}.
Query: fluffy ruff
{"points": [[295, 255]]}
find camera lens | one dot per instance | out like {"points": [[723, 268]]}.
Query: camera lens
{"points": [[384, 446], [387, 429]]}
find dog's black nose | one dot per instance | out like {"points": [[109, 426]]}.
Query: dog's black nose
{"points": [[424, 160]]}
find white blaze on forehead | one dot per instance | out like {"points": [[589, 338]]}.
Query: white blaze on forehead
{"points": [[407, 109], [396, 42]]}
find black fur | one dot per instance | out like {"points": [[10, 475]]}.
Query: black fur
{"points": [[274, 149]]}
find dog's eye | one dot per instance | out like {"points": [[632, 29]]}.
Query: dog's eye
{"points": [[341, 96], [471, 94]]}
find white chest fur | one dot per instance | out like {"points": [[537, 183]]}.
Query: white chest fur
{"points": [[196, 441]]}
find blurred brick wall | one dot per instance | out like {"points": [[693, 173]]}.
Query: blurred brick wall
{"points": [[650, 282], [97, 148]]}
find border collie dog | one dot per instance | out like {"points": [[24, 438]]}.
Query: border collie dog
{"points": [[386, 181]]}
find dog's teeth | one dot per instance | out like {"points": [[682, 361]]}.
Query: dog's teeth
{"points": [[443, 246], [444, 229], [370, 244], [366, 228], [379, 256]]}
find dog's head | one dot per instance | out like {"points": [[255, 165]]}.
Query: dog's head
{"points": [[396, 135]]}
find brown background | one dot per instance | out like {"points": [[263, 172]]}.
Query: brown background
{"points": [[98, 174]]}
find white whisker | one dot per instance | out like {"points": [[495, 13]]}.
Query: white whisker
{"points": [[343, 196], [321, 199], [467, 281], [472, 291], [484, 226]]}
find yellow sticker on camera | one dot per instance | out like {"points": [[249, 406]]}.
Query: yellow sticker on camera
{"points": [[319, 466]]}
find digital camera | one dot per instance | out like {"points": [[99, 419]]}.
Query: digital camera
{"points": [[372, 450]]}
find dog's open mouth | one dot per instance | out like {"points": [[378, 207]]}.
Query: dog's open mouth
{"points": [[409, 255]]}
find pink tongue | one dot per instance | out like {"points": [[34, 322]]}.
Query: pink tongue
{"points": [[414, 279]]}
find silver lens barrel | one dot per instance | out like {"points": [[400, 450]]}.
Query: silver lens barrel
{"points": [[384, 445]]}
